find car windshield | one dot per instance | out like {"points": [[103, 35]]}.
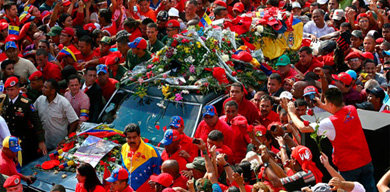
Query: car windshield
{"points": [[152, 114]]}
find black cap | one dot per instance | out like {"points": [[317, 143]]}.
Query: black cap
{"points": [[365, 105], [327, 47], [162, 15], [378, 92]]}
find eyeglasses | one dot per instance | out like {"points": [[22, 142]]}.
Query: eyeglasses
{"points": [[354, 59]]}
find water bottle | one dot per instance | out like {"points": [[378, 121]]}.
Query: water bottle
{"points": [[1, 87]]}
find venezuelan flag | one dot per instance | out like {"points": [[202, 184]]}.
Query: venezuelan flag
{"points": [[13, 30], [67, 51], [24, 16], [141, 164], [205, 21], [28, 8]]}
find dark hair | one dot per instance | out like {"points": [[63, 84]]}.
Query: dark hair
{"points": [[58, 187], [62, 19], [146, 21], [106, 14], [131, 23], [315, 4], [42, 52], [53, 84], [368, 61], [73, 76], [246, 170], [87, 39], [231, 103], [218, 10], [276, 76], [45, 42], [152, 25], [352, 7], [322, 12], [300, 102], [91, 179], [238, 84], [233, 189], [194, 2], [67, 71], [132, 127], [307, 49], [90, 68], [7, 5], [334, 96], [386, 26], [348, 25], [5, 63], [215, 135], [266, 98]]}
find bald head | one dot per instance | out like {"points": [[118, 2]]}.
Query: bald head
{"points": [[297, 89], [171, 167]]}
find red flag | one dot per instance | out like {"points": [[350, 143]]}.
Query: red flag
{"points": [[289, 22]]}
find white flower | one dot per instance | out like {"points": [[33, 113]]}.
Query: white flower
{"points": [[192, 78], [225, 58], [254, 164], [160, 69], [260, 28], [185, 92], [189, 59]]}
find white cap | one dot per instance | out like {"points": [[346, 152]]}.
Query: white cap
{"points": [[296, 5], [173, 12], [338, 14], [286, 94], [321, 2]]}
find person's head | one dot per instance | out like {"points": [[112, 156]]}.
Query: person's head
{"points": [[363, 21], [105, 45], [283, 64], [65, 20], [191, 7], [12, 51], [90, 75], [288, 83], [36, 81], [215, 137], [58, 188], [171, 141], [172, 27], [177, 123], [112, 62], [313, 6], [10, 9], [333, 99], [138, 46], [197, 167], [74, 84], [44, 44], [305, 55], [161, 181], [220, 12], [102, 74], [152, 31], [386, 31], [7, 67], [66, 36], [133, 135], [354, 60], [376, 96], [297, 89], [50, 88], [11, 146], [344, 27], [143, 5], [265, 105], [274, 83], [333, 4], [318, 17], [369, 67], [256, 98], [86, 174], [300, 106], [85, 45], [356, 38], [11, 86], [296, 8], [210, 115], [119, 179], [122, 40], [162, 18], [231, 109], [105, 16], [203, 184], [12, 184], [369, 44], [171, 167], [237, 92], [41, 57], [260, 186]]}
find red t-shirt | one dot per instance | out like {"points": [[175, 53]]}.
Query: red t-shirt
{"points": [[136, 33], [80, 188], [203, 131], [7, 166], [314, 63], [291, 74], [227, 151], [187, 145], [271, 117], [246, 109], [93, 55], [111, 29], [182, 162], [181, 181], [241, 140], [51, 71], [109, 88]]}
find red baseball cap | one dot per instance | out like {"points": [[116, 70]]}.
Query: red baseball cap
{"points": [[118, 174], [68, 30], [163, 179], [220, 3], [243, 56], [11, 81], [302, 154], [89, 27], [173, 23], [368, 55], [12, 38], [12, 181], [35, 76], [139, 43], [260, 130], [343, 77], [309, 90], [239, 7], [170, 136], [3, 26], [361, 15], [177, 122], [352, 55], [111, 60], [239, 120], [65, 3]]}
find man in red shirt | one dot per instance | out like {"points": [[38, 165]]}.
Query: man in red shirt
{"points": [[11, 14], [240, 138], [307, 62], [215, 138], [245, 107], [66, 38], [86, 50], [231, 111], [172, 167], [212, 122], [171, 142], [284, 68], [107, 84], [267, 116], [49, 70], [189, 150]]}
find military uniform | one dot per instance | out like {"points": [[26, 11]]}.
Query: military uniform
{"points": [[23, 122], [33, 94]]}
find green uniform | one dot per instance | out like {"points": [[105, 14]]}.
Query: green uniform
{"points": [[23, 122], [164, 40], [155, 47], [33, 94], [119, 74], [132, 60]]}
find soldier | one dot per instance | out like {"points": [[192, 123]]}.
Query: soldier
{"points": [[34, 90], [23, 121]]}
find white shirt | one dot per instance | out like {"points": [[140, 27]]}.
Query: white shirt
{"points": [[13, 100], [4, 131], [24, 68], [55, 117], [311, 28]]}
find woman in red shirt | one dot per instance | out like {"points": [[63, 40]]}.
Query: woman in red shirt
{"points": [[87, 179]]}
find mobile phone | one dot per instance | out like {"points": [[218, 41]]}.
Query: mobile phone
{"points": [[196, 141]]}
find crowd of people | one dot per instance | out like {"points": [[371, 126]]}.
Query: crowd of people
{"points": [[61, 62]]}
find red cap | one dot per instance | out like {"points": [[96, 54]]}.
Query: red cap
{"points": [[301, 154], [12, 38], [111, 60], [368, 55], [379, 40], [309, 90], [35, 76], [89, 27], [65, 3], [260, 130], [361, 15], [220, 3], [243, 56], [272, 124], [173, 23], [352, 55], [3, 26], [139, 43], [12, 181], [168, 190], [68, 30], [239, 7], [11, 81], [239, 120], [343, 77], [163, 179]]}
